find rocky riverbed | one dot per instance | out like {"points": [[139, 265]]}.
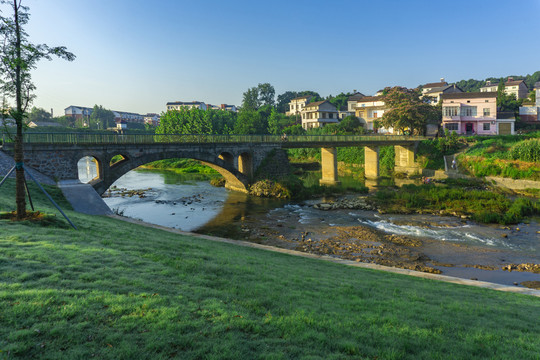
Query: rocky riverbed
{"points": [[371, 245]]}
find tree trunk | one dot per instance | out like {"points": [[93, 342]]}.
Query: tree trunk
{"points": [[20, 193]]}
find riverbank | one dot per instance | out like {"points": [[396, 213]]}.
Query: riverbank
{"points": [[120, 290]]}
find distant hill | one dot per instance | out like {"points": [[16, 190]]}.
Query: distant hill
{"points": [[473, 85]]}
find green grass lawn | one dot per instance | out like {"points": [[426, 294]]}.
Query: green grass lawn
{"points": [[122, 291]]}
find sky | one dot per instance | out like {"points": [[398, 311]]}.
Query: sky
{"points": [[135, 55]]}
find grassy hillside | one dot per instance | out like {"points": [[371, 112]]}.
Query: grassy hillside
{"points": [[122, 291]]}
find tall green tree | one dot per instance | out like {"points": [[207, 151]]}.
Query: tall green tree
{"points": [[250, 100], [38, 115], [101, 118], [408, 111], [18, 56], [267, 94]]}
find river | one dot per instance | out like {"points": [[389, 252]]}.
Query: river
{"points": [[447, 244]]}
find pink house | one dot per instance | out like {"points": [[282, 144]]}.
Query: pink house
{"points": [[474, 113]]}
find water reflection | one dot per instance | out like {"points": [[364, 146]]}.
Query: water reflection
{"points": [[87, 169]]}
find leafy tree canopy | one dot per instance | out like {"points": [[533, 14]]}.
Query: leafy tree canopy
{"points": [[408, 111], [260, 95], [101, 118], [38, 115]]}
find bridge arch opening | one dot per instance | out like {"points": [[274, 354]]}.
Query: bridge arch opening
{"points": [[227, 157], [89, 169], [245, 164], [117, 160]]}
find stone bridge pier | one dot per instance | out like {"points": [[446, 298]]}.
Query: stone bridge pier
{"points": [[237, 163], [404, 162]]}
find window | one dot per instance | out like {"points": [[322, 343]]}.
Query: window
{"points": [[324, 115], [451, 126], [487, 100], [468, 111], [450, 110], [330, 116], [486, 112], [374, 114], [487, 126]]}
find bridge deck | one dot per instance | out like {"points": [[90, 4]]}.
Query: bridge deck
{"points": [[293, 141]]}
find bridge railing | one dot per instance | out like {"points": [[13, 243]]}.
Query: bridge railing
{"points": [[111, 138]]}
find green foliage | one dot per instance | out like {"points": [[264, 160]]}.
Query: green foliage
{"points": [[277, 123], [38, 115], [260, 95], [181, 166], [101, 118], [251, 122], [460, 198], [339, 101], [387, 156], [184, 121], [527, 150], [408, 111]]}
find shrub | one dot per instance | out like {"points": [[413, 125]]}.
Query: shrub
{"points": [[526, 150]]}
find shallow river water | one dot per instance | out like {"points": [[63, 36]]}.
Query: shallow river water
{"points": [[188, 203]]}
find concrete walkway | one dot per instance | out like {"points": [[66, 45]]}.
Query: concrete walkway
{"points": [[83, 198], [449, 279]]}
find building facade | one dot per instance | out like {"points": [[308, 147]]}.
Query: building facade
{"points": [[368, 110], [298, 104], [474, 113], [177, 105], [318, 114], [530, 113], [516, 87]]}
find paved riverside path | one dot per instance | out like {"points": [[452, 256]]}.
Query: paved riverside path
{"points": [[445, 278]]}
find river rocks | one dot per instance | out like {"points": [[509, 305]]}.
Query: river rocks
{"points": [[115, 191], [356, 204], [531, 284], [526, 267]]}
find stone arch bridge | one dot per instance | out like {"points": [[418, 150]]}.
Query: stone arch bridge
{"points": [[236, 157]]}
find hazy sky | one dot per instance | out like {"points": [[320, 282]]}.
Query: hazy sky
{"points": [[135, 55]]}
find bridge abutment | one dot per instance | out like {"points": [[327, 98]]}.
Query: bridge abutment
{"points": [[405, 159]]}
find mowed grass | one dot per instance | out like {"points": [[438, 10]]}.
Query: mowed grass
{"points": [[114, 290]]}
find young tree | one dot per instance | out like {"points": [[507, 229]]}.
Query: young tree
{"points": [[17, 57]]}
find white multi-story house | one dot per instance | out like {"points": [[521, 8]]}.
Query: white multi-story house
{"points": [[370, 108], [152, 119], [318, 114], [530, 113], [511, 86], [298, 104], [177, 105], [431, 86]]}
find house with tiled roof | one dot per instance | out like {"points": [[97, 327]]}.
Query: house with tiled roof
{"points": [[177, 105], [530, 112], [318, 114], [297, 104], [369, 109], [435, 93], [430, 86], [475, 113], [511, 86], [353, 100]]}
